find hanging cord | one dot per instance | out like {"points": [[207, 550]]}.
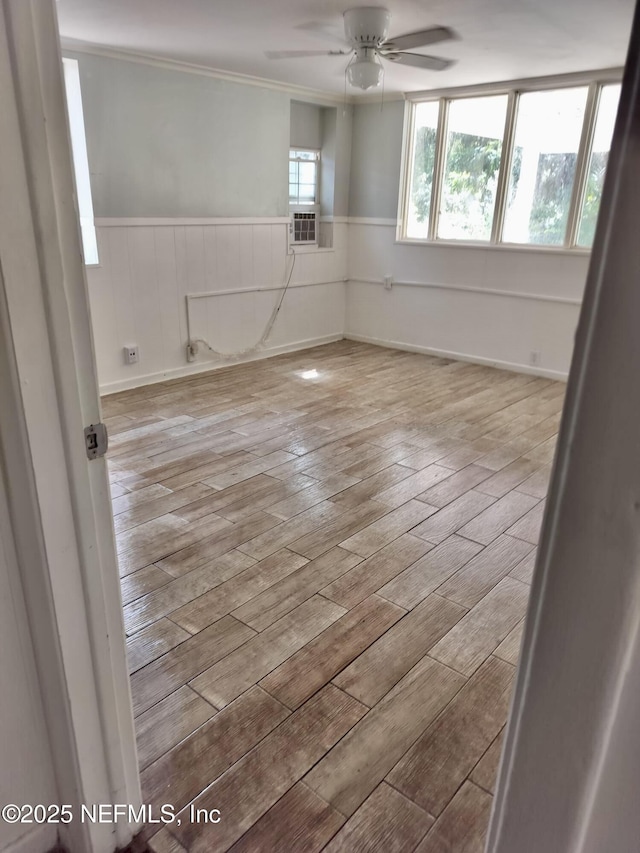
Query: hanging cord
{"points": [[382, 98], [194, 344], [346, 71]]}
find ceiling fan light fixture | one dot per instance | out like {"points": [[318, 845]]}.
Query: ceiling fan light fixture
{"points": [[367, 25], [365, 73]]}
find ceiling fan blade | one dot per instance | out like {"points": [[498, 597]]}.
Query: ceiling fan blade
{"points": [[299, 54], [422, 38], [418, 60]]}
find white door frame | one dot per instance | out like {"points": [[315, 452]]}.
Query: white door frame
{"points": [[59, 500], [570, 772]]}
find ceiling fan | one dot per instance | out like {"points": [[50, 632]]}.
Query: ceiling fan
{"points": [[366, 34]]}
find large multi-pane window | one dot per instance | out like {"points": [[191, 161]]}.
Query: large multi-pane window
{"points": [[472, 162], [603, 132], [543, 166], [524, 167], [421, 181]]}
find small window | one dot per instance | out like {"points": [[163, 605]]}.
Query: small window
{"points": [[475, 128], [543, 168], [603, 133], [80, 160], [303, 177]]}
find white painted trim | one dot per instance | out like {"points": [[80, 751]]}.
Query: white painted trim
{"points": [[468, 288], [515, 367], [206, 367], [59, 500], [243, 290], [569, 251], [573, 251], [172, 222], [308, 250], [578, 78], [314, 95], [35, 840]]}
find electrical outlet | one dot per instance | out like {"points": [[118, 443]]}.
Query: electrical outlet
{"points": [[388, 282], [534, 357], [131, 354]]}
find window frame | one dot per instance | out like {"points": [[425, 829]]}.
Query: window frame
{"points": [[594, 81], [303, 206]]}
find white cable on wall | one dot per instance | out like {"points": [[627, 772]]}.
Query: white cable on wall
{"points": [[194, 344]]}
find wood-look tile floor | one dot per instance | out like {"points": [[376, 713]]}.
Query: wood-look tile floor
{"points": [[325, 562]]}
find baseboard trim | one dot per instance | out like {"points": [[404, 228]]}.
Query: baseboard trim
{"points": [[207, 366], [514, 367]]}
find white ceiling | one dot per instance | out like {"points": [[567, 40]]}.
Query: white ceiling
{"points": [[499, 39]]}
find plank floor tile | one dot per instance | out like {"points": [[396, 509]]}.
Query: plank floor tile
{"points": [[236, 672], [429, 572], [243, 586], [152, 642], [168, 722], [411, 487], [441, 759], [479, 633], [485, 772], [462, 826], [301, 821], [141, 582], [368, 576], [270, 605], [162, 676], [454, 516], [455, 485], [386, 822], [528, 527], [469, 585], [509, 648], [335, 532], [375, 536], [324, 587], [161, 602], [508, 478], [386, 661], [524, 570], [314, 665], [258, 780], [353, 768], [366, 489], [186, 770], [494, 520]]}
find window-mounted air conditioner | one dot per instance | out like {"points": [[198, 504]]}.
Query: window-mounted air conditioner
{"points": [[303, 228]]}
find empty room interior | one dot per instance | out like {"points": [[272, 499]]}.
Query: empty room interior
{"points": [[335, 256]]}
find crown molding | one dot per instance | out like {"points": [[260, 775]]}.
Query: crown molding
{"points": [[314, 95]]}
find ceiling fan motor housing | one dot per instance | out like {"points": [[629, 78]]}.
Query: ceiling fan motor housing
{"points": [[367, 25]]}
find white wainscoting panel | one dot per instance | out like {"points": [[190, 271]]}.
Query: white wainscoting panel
{"points": [[138, 294], [489, 305]]}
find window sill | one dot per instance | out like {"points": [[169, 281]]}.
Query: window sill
{"points": [[500, 247], [309, 250]]}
